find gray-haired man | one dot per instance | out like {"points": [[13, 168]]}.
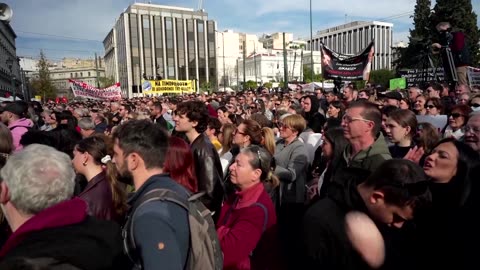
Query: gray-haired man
{"points": [[36, 188]]}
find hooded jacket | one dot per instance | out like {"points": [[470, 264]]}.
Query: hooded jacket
{"points": [[18, 128]]}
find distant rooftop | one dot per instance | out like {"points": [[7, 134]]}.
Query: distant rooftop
{"points": [[155, 6], [354, 24]]}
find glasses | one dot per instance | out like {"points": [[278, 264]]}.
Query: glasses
{"points": [[472, 129], [430, 106], [277, 104], [348, 119], [236, 131], [475, 105], [456, 115], [282, 125]]}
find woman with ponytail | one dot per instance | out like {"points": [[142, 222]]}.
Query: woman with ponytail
{"points": [[105, 196]]}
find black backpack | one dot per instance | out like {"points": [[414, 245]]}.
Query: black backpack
{"points": [[204, 253]]}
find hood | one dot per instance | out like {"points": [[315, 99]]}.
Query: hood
{"points": [[22, 122]]}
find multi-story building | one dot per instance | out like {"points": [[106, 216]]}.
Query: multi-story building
{"points": [[268, 66], [230, 50], [60, 77], [10, 79], [353, 37], [275, 40], [155, 41], [87, 75]]}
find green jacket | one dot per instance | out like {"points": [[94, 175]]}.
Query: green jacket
{"points": [[367, 160]]}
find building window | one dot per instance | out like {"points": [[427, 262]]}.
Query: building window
{"points": [[89, 74]]}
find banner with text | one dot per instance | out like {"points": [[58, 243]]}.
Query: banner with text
{"points": [[347, 67], [168, 87], [81, 89], [420, 77]]}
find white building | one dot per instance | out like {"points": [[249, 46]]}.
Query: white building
{"points": [[229, 50], [353, 37], [28, 64], [269, 67], [156, 41]]}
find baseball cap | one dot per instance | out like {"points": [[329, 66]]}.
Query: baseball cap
{"points": [[18, 108]]}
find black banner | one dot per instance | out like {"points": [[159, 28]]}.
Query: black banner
{"points": [[347, 67], [420, 77]]}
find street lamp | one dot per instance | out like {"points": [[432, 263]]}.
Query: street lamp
{"points": [[224, 77], [9, 63]]}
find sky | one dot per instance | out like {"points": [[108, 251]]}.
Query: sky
{"points": [[76, 28]]}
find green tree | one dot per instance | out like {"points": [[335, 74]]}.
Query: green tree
{"points": [[43, 85], [419, 37], [250, 85], [460, 15], [382, 77], [206, 86], [307, 75], [268, 85], [106, 81]]}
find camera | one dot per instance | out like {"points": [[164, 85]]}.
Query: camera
{"points": [[446, 37]]}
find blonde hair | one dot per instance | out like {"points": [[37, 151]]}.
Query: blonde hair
{"points": [[296, 122], [268, 140]]}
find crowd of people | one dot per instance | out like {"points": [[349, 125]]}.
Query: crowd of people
{"points": [[258, 179]]}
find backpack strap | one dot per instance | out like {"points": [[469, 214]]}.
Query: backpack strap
{"points": [[265, 221], [153, 195]]}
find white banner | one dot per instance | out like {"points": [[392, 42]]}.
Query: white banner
{"points": [[81, 89]]}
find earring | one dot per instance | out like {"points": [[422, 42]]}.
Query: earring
{"points": [[85, 163]]}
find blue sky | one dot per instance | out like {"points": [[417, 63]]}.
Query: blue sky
{"points": [[76, 28]]}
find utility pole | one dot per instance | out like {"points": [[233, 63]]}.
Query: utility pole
{"points": [[244, 57], [98, 73], [311, 42], [238, 86], [224, 77], [255, 62], [285, 66]]}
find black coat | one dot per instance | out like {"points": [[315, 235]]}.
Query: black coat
{"points": [[209, 172], [88, 245], [325, 242]]}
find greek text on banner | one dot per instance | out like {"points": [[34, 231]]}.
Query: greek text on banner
{"points": [[81, 89]]}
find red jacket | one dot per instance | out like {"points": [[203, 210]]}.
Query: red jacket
{"points": [[240, 228]]}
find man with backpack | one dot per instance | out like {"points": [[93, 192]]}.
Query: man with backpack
{"points": [[163, 224]]}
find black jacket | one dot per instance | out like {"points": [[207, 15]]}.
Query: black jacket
{"points": [[89, 245], [325, 242], [209, 172], [161, 121]]}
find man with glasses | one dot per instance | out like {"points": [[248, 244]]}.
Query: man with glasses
{"points": [[367, 148], [472, 131]]}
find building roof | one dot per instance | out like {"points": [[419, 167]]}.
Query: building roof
{"points": [[350, 26]]}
